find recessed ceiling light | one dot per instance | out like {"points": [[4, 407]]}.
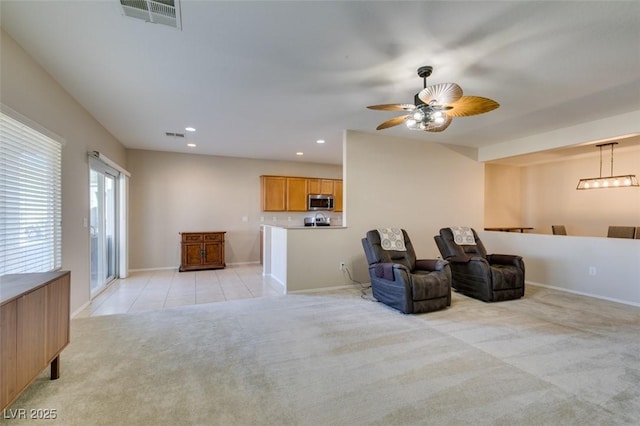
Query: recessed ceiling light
{"points": [[190, 129], [191, 145], [299, 153], [320, 141]]}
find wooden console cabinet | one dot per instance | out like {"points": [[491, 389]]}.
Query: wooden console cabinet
{"points": [[201, 250], [34, 328]]}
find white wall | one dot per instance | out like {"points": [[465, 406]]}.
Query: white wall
{"points": [[172, 193], [29, 90]]}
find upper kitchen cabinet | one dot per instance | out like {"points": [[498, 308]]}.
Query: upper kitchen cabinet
{"points": [[284, 193], [274, 193], [297, 190], [337, 195], [321, 186], [289, 193]]}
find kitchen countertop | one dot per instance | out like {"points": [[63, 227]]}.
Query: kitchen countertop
{"points": [[303, 227]]}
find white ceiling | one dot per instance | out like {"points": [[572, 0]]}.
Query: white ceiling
{"points": [[265, 79]]}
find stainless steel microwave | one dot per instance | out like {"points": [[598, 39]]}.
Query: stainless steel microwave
{"points": [[320, 202]]}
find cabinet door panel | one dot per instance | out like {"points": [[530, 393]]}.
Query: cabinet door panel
{"points": [[297, 194], [326, 186], [191, 254], [8, 354], [31, 337], [58, 316], [274, 193], [213, 253], [337, 196], [314, 186]]}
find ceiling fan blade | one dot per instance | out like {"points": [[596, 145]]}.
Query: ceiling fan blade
{"points": [[445, 93], [393, 122], [393, 107], [471, 105], [439, 127]]}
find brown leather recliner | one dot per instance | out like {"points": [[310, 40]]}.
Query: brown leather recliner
{"points": [[488, 277], [403, 282]]}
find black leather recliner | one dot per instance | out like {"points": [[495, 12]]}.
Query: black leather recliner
{"points": [[403, 282], [488, 277]]}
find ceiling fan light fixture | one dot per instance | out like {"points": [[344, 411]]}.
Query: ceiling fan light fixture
{"points": [[428, 111]]}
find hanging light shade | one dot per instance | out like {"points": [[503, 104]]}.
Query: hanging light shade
{"points": [[610, 181]]}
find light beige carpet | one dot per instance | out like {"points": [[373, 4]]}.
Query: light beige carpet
{"points": [[336, 359]]}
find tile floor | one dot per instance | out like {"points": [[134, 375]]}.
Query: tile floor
{"points": [[151, 290]]}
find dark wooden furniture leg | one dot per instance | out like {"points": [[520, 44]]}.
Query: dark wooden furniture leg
{"points": [[55, 368]]}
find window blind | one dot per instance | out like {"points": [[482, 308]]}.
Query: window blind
{"points": [[30, 197]]}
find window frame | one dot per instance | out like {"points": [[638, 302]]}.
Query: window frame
{"points": [[30, 195]]}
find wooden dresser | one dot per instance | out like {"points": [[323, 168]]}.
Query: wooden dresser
{"points": [[201, 250], [34, 328]]}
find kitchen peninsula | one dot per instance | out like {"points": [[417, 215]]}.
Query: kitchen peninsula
{"points": [[289, 250]]}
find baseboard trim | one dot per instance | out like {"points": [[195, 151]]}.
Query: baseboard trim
{"points": [[277, 281], [165, 268], [322, 289], [80, 309], [581, 293]]}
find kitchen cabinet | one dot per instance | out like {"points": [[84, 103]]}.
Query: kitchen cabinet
{"points": [[337, 196], [274, 193], [289, 193], [34, 328], [297, 191], [201, 250], [321, 186]]}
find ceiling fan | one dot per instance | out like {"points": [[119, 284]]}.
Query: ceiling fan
{"points": [[435, 106]]}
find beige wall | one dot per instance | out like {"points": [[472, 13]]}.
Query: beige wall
{"points": [[389, 182], [543, 195], [414, 184], [616, 126], [172, 193], [607, 268], [503, 196], [551, 197], [27, 88]]}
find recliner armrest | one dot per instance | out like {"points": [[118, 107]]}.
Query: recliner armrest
{"points": [[384, 270], [390, 271], [465, 259], [430, 264], [504, 259]]}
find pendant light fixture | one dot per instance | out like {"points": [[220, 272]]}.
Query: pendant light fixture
{"points": [[610, 181]]}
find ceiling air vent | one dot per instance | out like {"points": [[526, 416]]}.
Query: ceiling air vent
{"points": [[165, 12], [174, 135]]}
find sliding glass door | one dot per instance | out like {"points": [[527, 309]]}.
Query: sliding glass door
{"points": [[103, 225]]}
